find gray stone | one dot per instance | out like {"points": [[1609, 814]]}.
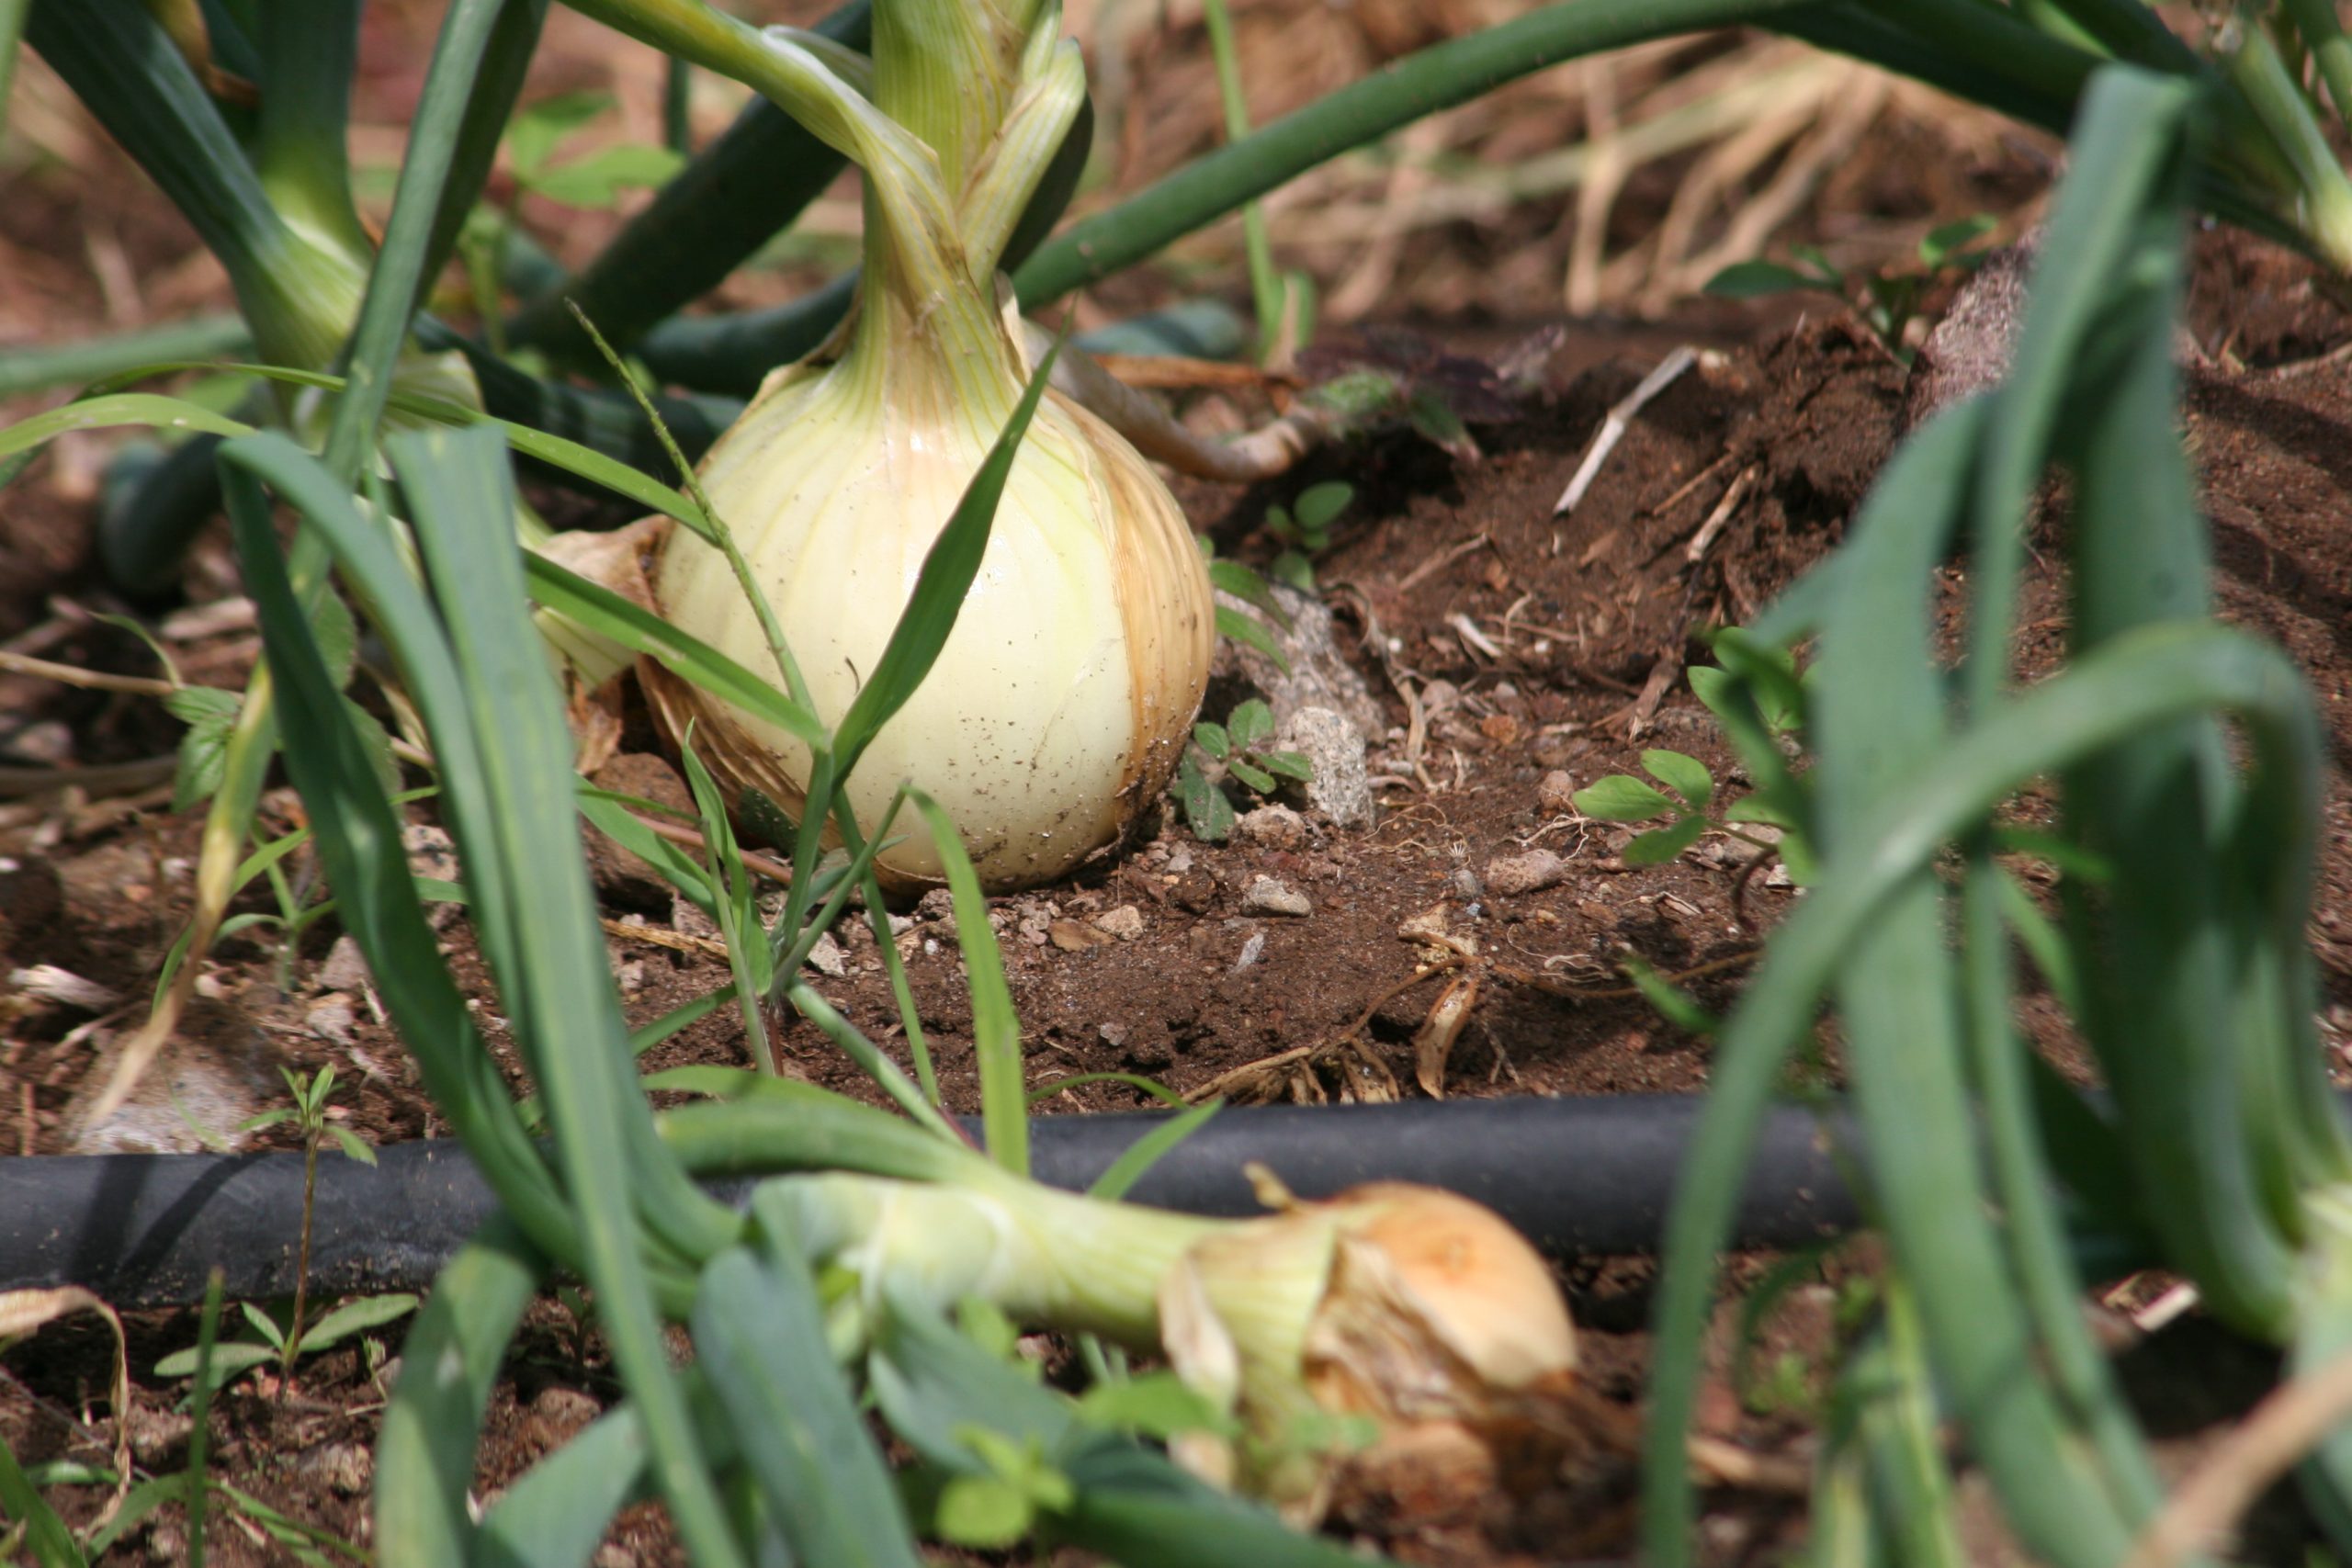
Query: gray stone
{"points": [[346, 968], [1319, 675], [1272, 896], [1334, 748], [332, 1019], [1556, 794], [217, 1075], [826, 957]]}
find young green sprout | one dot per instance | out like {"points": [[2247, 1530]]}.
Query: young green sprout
{"points": [[1239, 743]]}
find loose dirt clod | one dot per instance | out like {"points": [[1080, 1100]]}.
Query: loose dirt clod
{"points": [[1507, 876]]}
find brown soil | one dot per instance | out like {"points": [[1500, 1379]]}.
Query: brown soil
{"points": [[1577, 631]]}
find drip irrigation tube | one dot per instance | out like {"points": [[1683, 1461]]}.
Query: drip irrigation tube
{"points": [[1580, 1176]]}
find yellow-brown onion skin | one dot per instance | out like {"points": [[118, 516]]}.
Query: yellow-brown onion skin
{"points": [[1061, 702]]}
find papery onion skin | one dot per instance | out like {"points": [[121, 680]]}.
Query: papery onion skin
{"points": [[1061, 702]]}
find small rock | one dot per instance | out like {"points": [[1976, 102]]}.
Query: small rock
{"points": [[1556, 795], [1320, 674], [825, 956], [1334, 750], [936, 905], [1271, 827], [1502, 729], [569, 1408], [432, 854], [1114, 1034], [1528, 871], [1430, 926], [331, 1018], [1125, 922], [1075, 936], [155, 1433], [49, 740], [1271, 895], [688, 921], [1251, 951], [1180, 861], [49, 983], [345, 1467], [1464, 883], [346, 968]]}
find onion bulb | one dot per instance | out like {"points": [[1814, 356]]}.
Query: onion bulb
{"points": [[1060, 703], [1400, 1309]]}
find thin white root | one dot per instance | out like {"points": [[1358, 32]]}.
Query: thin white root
{"points": [[1613, 427]]}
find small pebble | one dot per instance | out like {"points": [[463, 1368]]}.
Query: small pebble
{"points": [[1251, 951], [331, 1018], [1528, 871], [1340, 787], [1125, 922], [1271, 895], [1073, 936], [1114, 1033], [826, 957], [345, 969], [1464, 883], [1556, 794], [1273, 828]]}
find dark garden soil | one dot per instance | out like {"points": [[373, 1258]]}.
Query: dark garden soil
{"points": [[1506, 656]]}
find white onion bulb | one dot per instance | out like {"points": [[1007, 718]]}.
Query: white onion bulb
{"points": [[1061, 702]]}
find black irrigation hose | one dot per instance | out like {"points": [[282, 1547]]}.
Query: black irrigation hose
{"points": [[1580, 1177]]}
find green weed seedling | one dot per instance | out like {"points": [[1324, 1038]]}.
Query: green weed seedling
{"points": [[1304, 529], [1887, 301], [287, 1342], [1244, 583], [1688, 802], [1240, 745]]}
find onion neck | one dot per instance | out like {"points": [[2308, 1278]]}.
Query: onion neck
{"points": [[948, 69], [929, 344]]}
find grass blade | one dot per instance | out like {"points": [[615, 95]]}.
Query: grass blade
{"points": [[400, 270], [557, 990], [46, 1537], [607, 613], [357, 834], [451, 1359], [759, 1332], [557, 1514], [996, 1028]]}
